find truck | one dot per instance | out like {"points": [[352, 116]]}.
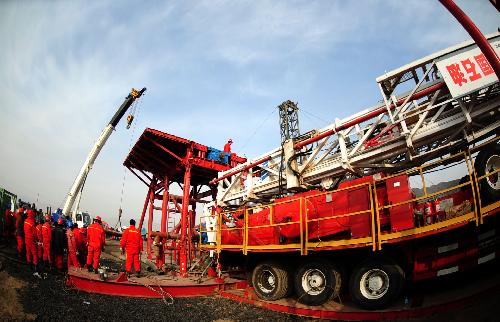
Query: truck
{"points": [[355, 207]]}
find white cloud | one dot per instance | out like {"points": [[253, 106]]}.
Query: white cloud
{"points": [[212, 68]]}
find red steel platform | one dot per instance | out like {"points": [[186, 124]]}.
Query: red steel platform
{"points": [[150, 286], [452, 293]]}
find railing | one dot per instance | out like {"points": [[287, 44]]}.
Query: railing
{"points": [[273, 226], [453, 220], [342, 242]]}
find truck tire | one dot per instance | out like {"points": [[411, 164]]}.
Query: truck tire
{"points": [[375, 283], [487, 161], [316, 282], [270, 281]]}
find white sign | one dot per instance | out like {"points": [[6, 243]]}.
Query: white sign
{"points": [[467, 70]]}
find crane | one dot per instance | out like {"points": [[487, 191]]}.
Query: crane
{"points": [[79, 182]]}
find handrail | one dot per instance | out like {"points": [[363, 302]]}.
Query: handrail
{"points": [[377, 235]]}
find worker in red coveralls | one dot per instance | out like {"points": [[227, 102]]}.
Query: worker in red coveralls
{"points": [[58, 244], [19, 217], [72, 247], [131, 243], [96, 240], [227, 146], [39, 239], [159, 253], [46, 240], [30, 239], [81, 244]]}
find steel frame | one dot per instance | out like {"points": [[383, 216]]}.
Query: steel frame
{"points": [[414, 124], [159, 159]]}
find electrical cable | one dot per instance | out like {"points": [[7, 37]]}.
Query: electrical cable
{"points": [[247, 141]]}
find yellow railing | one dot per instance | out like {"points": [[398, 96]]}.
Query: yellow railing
{"points": [[341, 242], [384, 237], [378, 235], [274, 224]]}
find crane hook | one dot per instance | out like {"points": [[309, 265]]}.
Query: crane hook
{"points": [[130, 119]]}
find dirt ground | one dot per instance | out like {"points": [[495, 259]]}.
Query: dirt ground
{"points": [[27, 298]]}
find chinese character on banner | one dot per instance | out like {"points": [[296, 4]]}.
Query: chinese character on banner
{"points": [[470, 68], [483, 64], [456, 74]]}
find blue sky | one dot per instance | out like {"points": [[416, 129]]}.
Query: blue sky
{"points": [[213, 69]]}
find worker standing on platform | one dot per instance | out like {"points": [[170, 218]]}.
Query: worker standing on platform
{"points": [[131, 243], [227, 146], [39, 240], [58, 244], [81, 244], [72, 247], [96, 237], [159, 252], [30, 240], [19, 217], [46, 240]]}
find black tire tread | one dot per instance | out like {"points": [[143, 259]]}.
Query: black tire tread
{"points": [[395, 272], [335, 287], [487, 193], [282, 281]]}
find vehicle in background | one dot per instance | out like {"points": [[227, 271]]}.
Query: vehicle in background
{"points": [[8, 200], [83, 219]]}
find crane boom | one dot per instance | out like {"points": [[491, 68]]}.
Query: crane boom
{"points": [[96, 149]]}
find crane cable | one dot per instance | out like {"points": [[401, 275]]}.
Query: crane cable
{"points": [[136, 109]]}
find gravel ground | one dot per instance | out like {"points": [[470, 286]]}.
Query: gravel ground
{"points": [[25, 297], [51, 300]]}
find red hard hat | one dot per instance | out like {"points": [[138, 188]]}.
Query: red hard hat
{"points": [[60, 221], [98, 218]]}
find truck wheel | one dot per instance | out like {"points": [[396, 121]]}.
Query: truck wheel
{"points": [[270, 281], [316, 282], [488, 160], [376, 283]]}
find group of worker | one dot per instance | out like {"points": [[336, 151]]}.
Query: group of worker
{"points": [[44, 241]]}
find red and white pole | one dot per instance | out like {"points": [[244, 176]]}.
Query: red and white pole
{"points": [[185, 213], [475, 33]]}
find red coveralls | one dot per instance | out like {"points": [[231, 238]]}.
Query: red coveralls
{"points": [[72, 248], [46, 239], [81, 244], [19, 230], [39, 244], [132, 242], [96, 236], [30, 238]]}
